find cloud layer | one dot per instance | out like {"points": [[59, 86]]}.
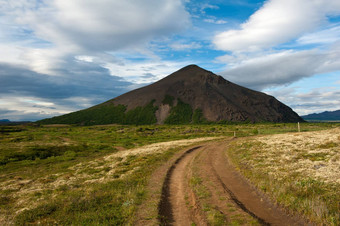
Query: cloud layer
{"points": [[281, 43], [315, 100], [62, 28], [32, 93], [278, 21], [282, 68], [68, 53], [59, 56], [98, 25]]}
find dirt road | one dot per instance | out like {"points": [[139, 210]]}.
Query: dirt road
{"points": [[201, 187]]}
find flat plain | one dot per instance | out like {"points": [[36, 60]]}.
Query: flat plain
{"points": [[59, 174]]}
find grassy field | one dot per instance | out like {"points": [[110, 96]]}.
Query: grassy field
{"points": [[299, 170], [97, 174]]}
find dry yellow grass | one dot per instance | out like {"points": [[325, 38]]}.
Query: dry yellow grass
{"points": [[101, 170], [313, 154], [300, 170]]}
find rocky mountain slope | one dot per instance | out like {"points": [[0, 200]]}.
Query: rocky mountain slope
{"points": [[189, 95]]}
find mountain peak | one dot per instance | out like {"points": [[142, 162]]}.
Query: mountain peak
{"points": [[192, 69], [193, 89], [217, 98], [192, 74]]}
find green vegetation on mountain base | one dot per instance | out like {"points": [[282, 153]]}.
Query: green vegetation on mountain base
{"points": [[198, 117], [168, 100], [104, 114], [108, 114], [183, 113], [179, 114], [141, 115]]}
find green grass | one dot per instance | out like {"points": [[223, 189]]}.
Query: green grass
{"points": [[108, 203], [43, 154], [200, 190]]}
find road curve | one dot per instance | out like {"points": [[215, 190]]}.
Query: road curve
{"points": [[179, 205]]}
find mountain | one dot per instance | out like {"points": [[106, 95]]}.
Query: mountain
{"points": [[8, 122], [189, 95], [324, 116], [4, 121]]}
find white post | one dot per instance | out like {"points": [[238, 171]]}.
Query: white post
{"points": [[234, 133], [299, 127]]}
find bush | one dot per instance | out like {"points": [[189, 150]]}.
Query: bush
{"points": [[42, 152], [179, 114], [168, 100], [197, 117], [142, 115]]}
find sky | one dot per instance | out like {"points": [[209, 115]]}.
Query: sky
{"points": [[59, 56]]}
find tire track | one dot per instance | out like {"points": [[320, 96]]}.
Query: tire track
{"points": [[243, 194], [238, 202], [173, 207]]}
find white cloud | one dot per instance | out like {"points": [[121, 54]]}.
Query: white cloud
{"points": [[326, 36], [280, 68], [178, 46], [84, 27], [257, 58], [308, 102], [144, 72], [29, 108], [77, 41], [80, 84], [204, 7], [104, 24], [36, 102], [214, 21], [11, 53], [278, 21]]}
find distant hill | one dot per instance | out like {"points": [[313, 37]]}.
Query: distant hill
{"points": [[324, 116], [189, 95], [4, 121], [8, 122]]}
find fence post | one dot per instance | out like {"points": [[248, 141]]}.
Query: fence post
{"points": [[299, 127], [234, 133]]}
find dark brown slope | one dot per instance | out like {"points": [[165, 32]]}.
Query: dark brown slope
{"points": [[218, 98]]}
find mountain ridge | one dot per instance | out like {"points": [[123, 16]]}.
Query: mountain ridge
{"points": [[195, 92], [326, 115]]}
